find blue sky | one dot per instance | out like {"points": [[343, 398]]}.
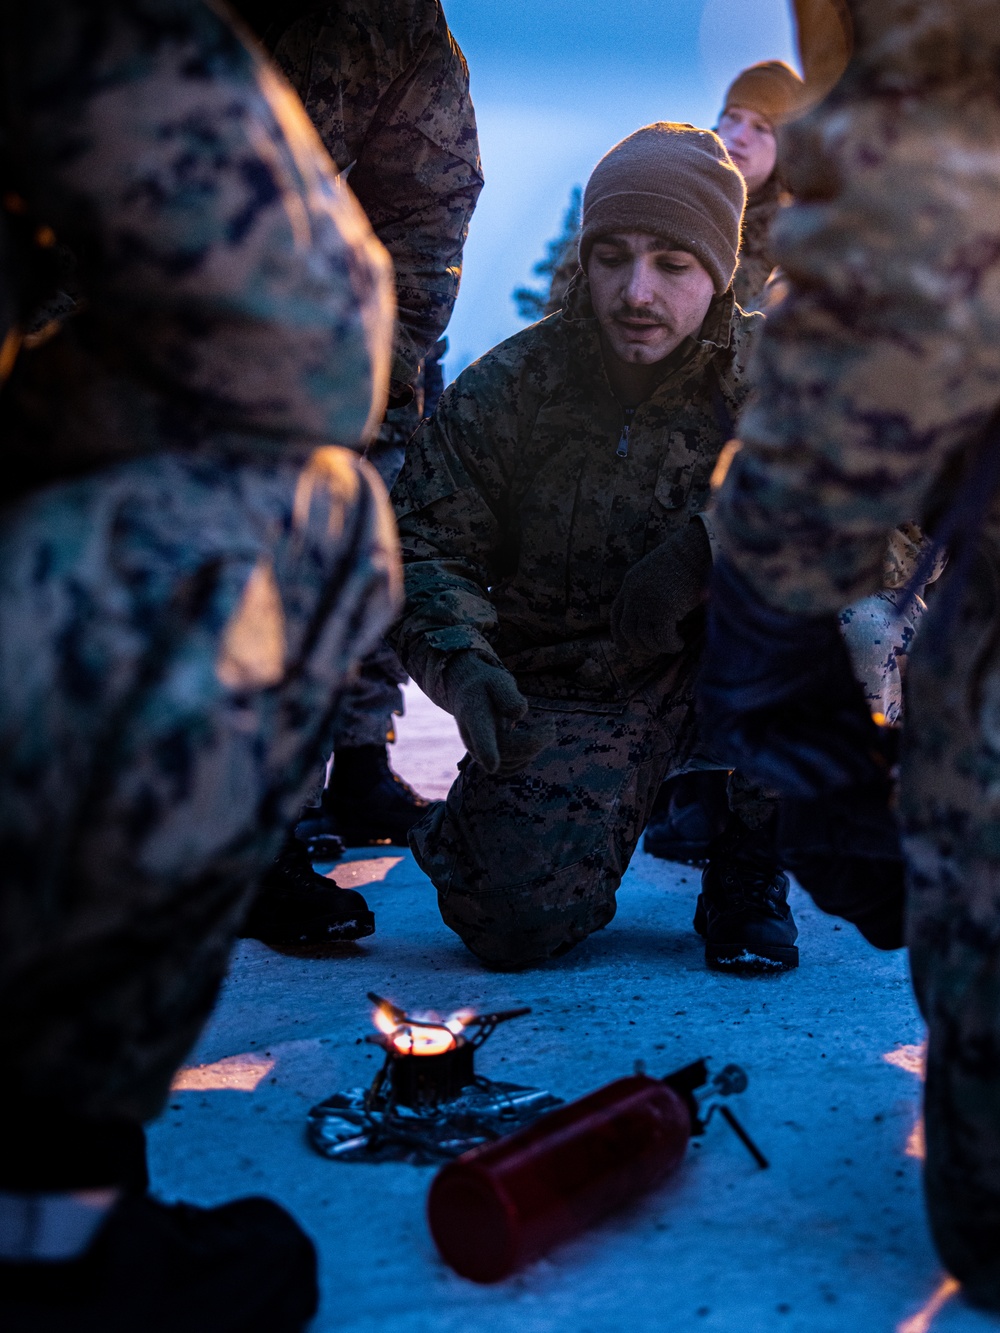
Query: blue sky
{"points": [[556, 83]]}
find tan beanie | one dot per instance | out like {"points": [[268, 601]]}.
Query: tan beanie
{"points": [[671, 181], [771, 88]]}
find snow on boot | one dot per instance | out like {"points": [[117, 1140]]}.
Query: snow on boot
{"points": [[689, 812], [366, 802], [245, 1267], [743, 913], [294, 905]]}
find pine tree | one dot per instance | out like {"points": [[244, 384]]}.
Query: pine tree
{"points": [[531, 301]]}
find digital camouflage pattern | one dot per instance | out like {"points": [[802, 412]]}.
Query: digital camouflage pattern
{"points": [[211, 236], [189, 565], [880, 630], [872, 378], [882, 240], [879, 633], [369, 704], [519, 518], [388, 90], [174, 633], [563, 274], [756, 261], [528, 864]]}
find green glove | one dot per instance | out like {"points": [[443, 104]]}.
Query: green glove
{"points": [[665, 586], [489, 708]]}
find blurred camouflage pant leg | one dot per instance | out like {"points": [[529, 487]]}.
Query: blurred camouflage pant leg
{"points": [[370, 702], [173, 637], [951, 815], [528, 865]]}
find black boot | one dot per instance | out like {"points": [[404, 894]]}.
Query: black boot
{"points": [[689, 812], [315, 831], [743, 911], [69, 1267], [294, 905], [366, 802], [246, 1267]]}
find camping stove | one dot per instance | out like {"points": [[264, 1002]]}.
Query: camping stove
{"points": [[426, 1104]]}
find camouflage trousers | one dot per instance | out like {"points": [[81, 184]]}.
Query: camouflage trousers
{"points": [[371, 701], [950, 795], [374, 698], [174, 634], [528, 865]]}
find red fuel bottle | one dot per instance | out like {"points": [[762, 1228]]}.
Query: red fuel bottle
{"points": [[504, 1204]]}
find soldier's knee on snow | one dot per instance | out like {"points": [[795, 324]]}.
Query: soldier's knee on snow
{"points": [[513, 945], [518, 951]]}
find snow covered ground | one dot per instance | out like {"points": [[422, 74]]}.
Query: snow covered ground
{"points": [[831, 1238]]}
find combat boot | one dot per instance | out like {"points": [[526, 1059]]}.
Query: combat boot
{"points": [[295, 906], [315, 831], [366, 802], [689, 812], [245, 1267], [743, 913]]}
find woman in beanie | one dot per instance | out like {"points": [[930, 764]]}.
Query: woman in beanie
{"points": [[757, 103], [556, 559]]}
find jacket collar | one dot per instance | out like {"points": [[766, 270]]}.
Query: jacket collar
{"points": [[717, 328], [770, 195]]}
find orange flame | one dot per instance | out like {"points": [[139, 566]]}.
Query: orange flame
{"points": [[423, 1039], [459, 1020], [421, 1036], [384, 1021]]}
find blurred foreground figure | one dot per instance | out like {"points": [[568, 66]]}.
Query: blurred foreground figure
{"points": [[876, 393], [690, 810], [879, 630], [387, 88], [189, 567]]}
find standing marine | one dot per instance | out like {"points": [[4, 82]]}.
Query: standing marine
{"points": [[876, 401], [387, 88], [192, 558]]}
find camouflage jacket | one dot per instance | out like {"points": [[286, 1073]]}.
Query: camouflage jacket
{"points": [[519, 516], [756, 260], [387, 88], [882, 363], [563, 274], [232, 288]]}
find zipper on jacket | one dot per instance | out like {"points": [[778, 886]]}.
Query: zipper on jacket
{"points": [[622, 450]]}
